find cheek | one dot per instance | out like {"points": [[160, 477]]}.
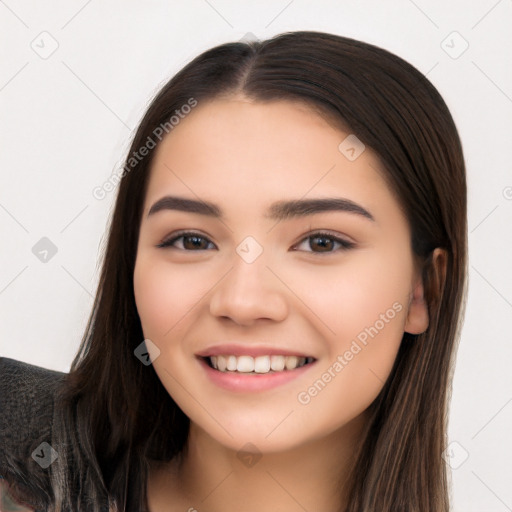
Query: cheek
{"points": [[162, 296], [366, 290], [364, 306]]}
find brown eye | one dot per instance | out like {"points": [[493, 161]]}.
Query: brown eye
{"points": [[194, 242], [189, 242], [323, 242], [326, 243], [318, 242]]}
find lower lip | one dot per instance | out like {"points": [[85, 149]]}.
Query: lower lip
{"points": [[235, 381]]}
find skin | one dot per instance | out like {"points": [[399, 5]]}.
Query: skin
{"points": [[7, 501], [243, 155]]}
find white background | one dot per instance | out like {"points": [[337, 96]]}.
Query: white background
{"points": [[66, 124]]}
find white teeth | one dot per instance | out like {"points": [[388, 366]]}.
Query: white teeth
{"points": [[259, 364], [231, 363], [221, 363], [291, 362], [245, 364], [262, 364], [277, 363]]}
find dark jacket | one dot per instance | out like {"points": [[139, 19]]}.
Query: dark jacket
{"points": [[26, 417], [28, 395]]}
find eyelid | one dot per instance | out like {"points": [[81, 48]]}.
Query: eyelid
{"points": [[326, 232], [344, 242]]}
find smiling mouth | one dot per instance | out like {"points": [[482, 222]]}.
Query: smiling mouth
{"points": [[256, 365]]}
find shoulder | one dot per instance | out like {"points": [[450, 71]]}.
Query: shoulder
{"points": [[27, 395], [26, 399]]}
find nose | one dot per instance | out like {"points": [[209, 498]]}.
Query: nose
{"points": [[249, 292]]}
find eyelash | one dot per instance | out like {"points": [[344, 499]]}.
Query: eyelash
{"points": [[345, 245]]}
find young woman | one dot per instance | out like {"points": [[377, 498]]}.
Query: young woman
{"points": [[281, 293]]}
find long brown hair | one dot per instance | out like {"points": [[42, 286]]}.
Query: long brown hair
{"points": [[114, 413]]}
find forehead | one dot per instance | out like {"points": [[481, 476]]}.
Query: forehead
{"points": [[244, 150], [255, 118]]}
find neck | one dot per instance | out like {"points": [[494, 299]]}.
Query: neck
{"points": [[209, 476]]}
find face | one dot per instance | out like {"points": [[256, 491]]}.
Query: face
{"points": [[233, 282]]}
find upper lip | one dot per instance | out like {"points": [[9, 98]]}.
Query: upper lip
{"points": [[245, 350]]}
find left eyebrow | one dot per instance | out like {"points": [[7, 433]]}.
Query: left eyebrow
{"points": [[280, 210]]}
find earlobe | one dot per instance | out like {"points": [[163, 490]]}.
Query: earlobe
{"points": [[418, 314]]}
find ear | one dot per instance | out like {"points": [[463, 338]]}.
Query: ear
{"points": [[417, 314]]}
